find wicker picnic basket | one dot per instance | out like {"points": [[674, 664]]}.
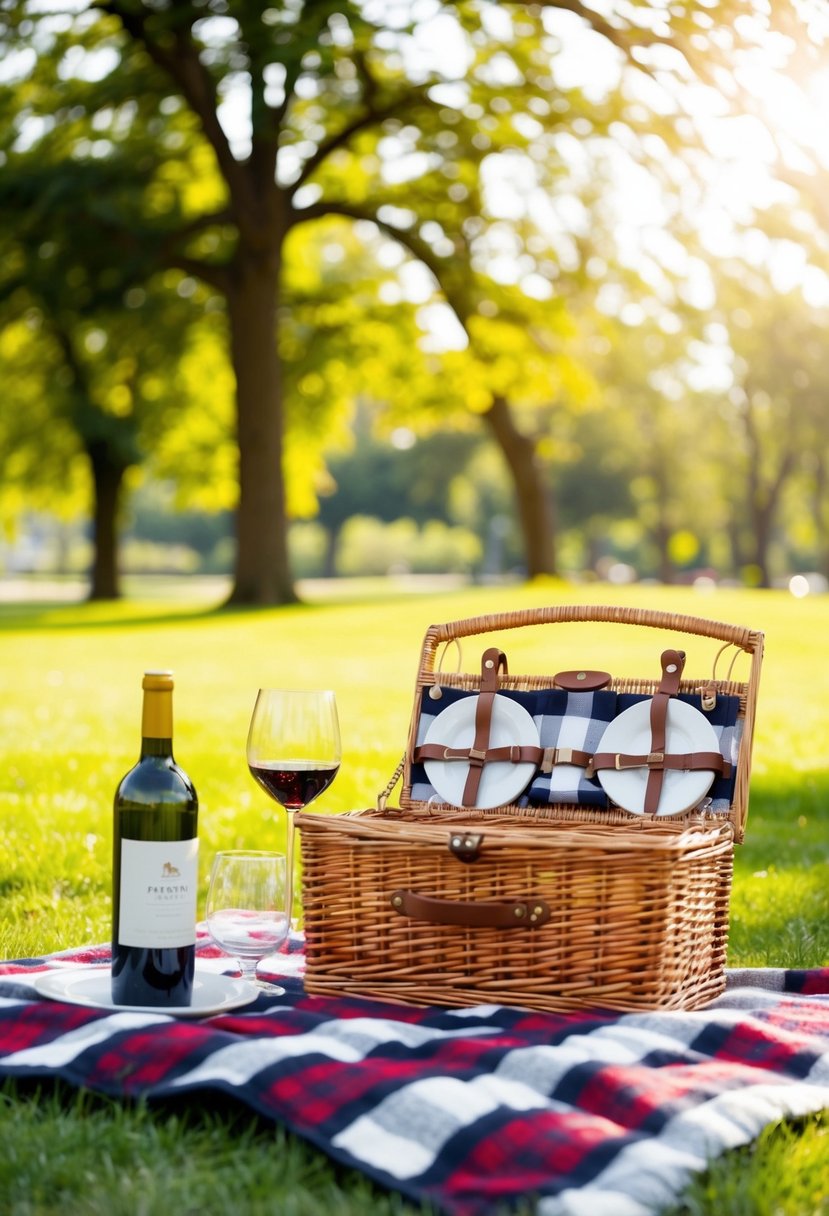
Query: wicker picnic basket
{"points": [[555, 907]]}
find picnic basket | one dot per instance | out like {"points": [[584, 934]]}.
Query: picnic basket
{"points": [[555, 907]]}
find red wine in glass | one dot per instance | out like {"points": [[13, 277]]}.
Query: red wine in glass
{"points": [[294, 751], [294, 783]]}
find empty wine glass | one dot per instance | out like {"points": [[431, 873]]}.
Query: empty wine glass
{"points": [[246, 907], [294, 752]]}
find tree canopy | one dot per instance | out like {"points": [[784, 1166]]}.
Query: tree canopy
{"points": [[193, 148]]}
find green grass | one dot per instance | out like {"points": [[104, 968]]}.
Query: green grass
{"points": [[69, 725], [784, 1173], [66, 1153]]}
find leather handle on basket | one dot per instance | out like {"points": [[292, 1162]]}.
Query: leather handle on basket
{"points": [[481, 914]]}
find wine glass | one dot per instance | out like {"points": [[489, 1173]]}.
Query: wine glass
{"points": [[247, 913], [294, 752]]}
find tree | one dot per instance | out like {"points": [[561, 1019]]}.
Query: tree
{"points": [[107, 325], [111, 385], [776, 403], [349, 114], [385, 483]]}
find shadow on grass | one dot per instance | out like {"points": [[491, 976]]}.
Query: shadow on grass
{"points": [[57, 615], [121, 614]]}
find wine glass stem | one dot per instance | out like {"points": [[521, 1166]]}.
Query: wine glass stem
{"points": [[289, 868]]}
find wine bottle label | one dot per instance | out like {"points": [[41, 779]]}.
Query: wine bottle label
{"points": [[159, 880]]}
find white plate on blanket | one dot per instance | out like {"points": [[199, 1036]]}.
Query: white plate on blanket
{"points": [[501, 782], [91, 986], [686, 730]]}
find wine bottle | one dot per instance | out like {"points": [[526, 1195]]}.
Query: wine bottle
{"points": [[154, 865]]}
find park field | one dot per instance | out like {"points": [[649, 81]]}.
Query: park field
{"points": [[70, 726]]}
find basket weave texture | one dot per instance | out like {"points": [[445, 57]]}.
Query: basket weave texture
{"points": [[635, 908]]}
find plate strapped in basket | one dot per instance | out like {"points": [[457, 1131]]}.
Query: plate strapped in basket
{"points": [[554, 907]]}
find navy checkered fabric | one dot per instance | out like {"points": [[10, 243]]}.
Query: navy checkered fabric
{"points": [[578, 720]]}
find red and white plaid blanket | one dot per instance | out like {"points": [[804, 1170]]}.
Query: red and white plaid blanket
{"points": [[468, 1109]]}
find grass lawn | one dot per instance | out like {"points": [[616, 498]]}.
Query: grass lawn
{"points": [[69, 727]]}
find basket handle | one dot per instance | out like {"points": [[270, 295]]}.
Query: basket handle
{"points": [[737, 635], [748, 640], [478, 914]]}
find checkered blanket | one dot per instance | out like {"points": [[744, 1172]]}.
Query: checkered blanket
{"points": [[578, 720], [595, 1114]]}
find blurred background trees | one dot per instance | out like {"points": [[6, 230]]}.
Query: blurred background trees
{"points": [[316, 288]]}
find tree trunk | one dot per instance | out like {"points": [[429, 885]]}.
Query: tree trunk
{"points": [[662, 537], [533, 497], [262, 572], [762, 517], [107, 480], [662, 528], [764, 494], [735, 540], [332, 540], [821, 513]]}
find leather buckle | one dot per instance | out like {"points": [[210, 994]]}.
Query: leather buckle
{"points": [[548, 759], [653, 758], [564, 755]]}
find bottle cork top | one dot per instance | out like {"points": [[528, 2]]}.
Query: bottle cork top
{"points": [[157, 681]]}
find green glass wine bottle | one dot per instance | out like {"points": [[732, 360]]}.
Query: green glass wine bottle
{"points": [[155, 865]]}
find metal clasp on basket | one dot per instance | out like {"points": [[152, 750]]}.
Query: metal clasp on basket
{"points": [[465, 845], [653, 758]]}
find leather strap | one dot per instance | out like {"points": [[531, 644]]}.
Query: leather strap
{"points": [[544, 757], [492, 661], [477, 914], [684, 762], [673, 662]]}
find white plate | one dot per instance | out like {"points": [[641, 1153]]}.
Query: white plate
{"points": [[212, 993], [687, 730], [501, 782]]}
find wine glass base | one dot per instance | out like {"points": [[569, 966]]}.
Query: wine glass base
{"points": [[271, 986], [250, 975], [266, 986]]}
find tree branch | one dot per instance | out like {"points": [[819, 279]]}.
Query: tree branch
{"points": [[186, 70], [623, 38], [202, 222], [216, 276], [417, 247], [340, 138], [372, 115]]}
